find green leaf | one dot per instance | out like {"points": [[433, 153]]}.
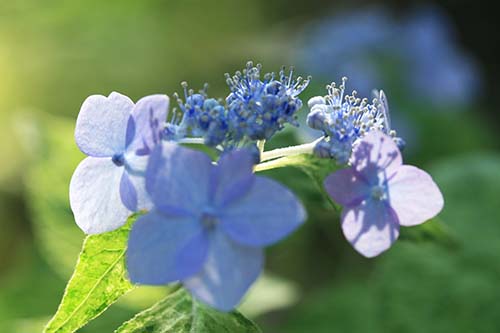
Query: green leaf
{"points": [[98, 281], [180, 313], [433, 230], [316, 168]]}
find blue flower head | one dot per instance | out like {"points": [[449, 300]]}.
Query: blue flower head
{"points": [[260, 107], [344, 119], [208, 224], [201, 117]]}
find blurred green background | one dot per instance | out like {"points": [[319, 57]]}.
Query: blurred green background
{"points": [[53, 54]]}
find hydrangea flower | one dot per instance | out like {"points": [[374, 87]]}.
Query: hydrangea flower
{"points": [[344, 119], [260, 107], [117, 136], [380, 194], [208, 224]]}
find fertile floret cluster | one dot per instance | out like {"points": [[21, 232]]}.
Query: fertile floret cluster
{"points": [[255, 110], [260, 107], [201, 117], [344, 119]]}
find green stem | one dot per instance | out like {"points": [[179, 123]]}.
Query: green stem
{"points": [[306, 148], [276, 163], [197, 141], [260, 146]]}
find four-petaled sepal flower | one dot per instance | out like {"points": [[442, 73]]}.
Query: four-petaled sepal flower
{"points": [[208, 224], [380, 194], [117, 136]]}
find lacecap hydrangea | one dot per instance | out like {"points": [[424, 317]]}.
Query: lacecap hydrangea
{"points": [[204, 221]]}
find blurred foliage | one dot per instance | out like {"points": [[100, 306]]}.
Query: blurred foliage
{"points": [[269, 293], [54, 157], [53, 55], [424, 287]]}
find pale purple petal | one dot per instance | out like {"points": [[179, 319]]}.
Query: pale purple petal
{"points": [[376, 153], [136, 169], [146, 124], [102, 124], [229, 271], [178, 179], [267, 213], [347, 187], [94, 195], [156, 243], [414, 196], [233, 176], [371, 227]]}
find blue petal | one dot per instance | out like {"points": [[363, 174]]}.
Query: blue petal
{"points": [[146, 124], [178, 179], [266, 214], [94, 195], [192, 255], [128, 193], [102, 124], [163, 249], [229, 271], [233, 176]]}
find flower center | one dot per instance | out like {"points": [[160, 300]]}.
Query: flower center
{"points": [[209, 220], [118, 159], [378, 192]]}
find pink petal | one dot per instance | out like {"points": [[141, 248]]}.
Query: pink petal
{"points": [[414, 196]]}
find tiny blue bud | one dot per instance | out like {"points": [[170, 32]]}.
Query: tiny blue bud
{"points": [[401, 143], [322, 149], [317, 100], [316, 119]]}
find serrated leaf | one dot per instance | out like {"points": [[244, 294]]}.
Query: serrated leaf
{"points": [[98, 281], [180, 313]]}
